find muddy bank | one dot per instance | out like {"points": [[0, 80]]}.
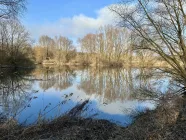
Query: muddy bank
{"points": [[168, 121]]}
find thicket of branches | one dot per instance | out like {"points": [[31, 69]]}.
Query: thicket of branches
{"points": [[15, 44], [109, 43], [60, 49], [159, 26], [11, 8]]}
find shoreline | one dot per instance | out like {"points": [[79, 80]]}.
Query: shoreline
{"points": [[93, 65], [15, 67], [167, 121]]}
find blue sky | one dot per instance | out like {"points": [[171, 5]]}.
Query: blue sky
{"points": [[70, 18]]}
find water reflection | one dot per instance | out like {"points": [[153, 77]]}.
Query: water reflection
{"points": [[14, 91], [53, 77], [112, 92]]}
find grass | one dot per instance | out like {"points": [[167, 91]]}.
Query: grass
{"points": [[70, 126], [166, 122]]}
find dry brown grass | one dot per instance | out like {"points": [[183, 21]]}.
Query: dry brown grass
{"points": [[68, 127], [167, 122], [160, 123]]}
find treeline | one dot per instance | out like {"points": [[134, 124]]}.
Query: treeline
{"points": [[59, 49], [109, 46]]}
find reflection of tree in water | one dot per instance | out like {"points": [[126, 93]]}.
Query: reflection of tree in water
{"points": [[56, 78], [64, 79], [13, 91], [114, 84], [47, 76], [109, 84]]}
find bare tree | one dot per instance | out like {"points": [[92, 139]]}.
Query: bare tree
{"points": [[11, 8], [48, 43], [109, 43], [60, 48], [88, 45], [65, 46], [160, 25], [3, 32], [14, 41]]}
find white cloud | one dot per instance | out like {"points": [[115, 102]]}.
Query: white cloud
{"points": [[127, 106], [73, 27]]}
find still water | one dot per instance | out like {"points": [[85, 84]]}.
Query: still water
{"points": [[117, 95]]}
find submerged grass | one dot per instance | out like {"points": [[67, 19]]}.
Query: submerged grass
{"points": [[166, 122]]}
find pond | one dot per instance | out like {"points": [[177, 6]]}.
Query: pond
{"points": [[117, 95]]}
